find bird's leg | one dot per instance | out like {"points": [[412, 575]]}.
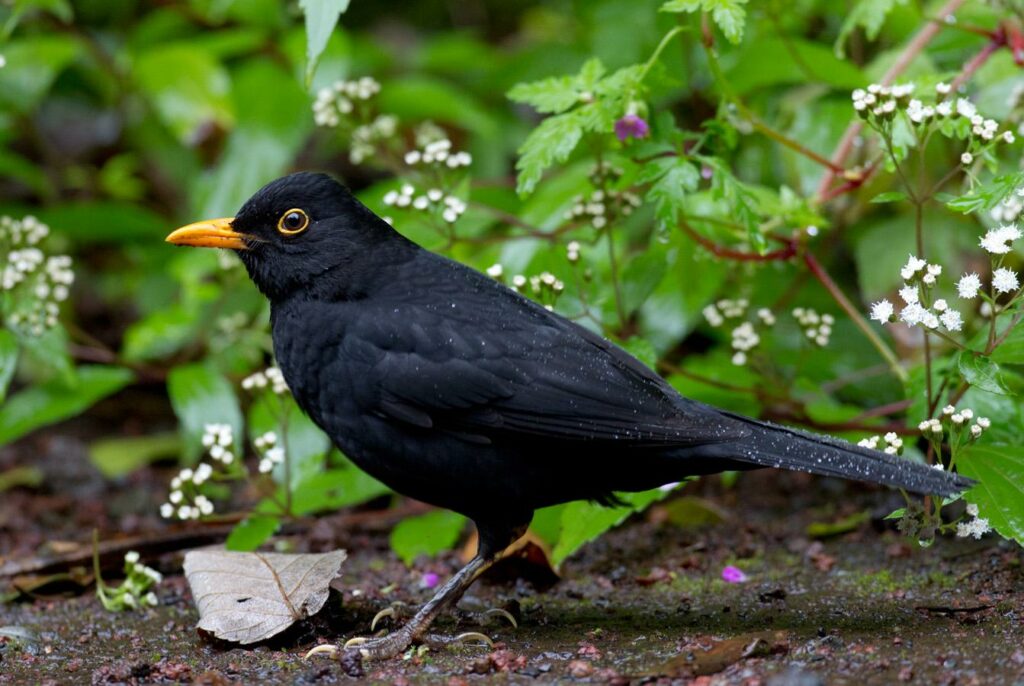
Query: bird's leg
{"points": [[414, 631], [398, 611]]}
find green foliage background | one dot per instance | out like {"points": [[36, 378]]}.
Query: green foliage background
{"points": [[122, 120]]}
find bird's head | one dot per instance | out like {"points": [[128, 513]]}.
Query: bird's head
{"points": [[301, 233]]}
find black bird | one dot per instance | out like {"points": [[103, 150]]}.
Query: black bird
{"points": [[457, 391]]}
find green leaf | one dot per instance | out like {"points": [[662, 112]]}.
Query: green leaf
{"points": [[999, 494], [641, 349], [426, 534], [559, 93], [264, 142], [306, 445], [51, 402], [187, 86], [15, 477], [321, 18], [890, 196], [552, 141], [982, 372], [9, 349], [583, 521], [33, 63], [674, 178], [641, 276], [336, 488], [117, 457], [869, 14], [252, 532], [986, 196], [1011, 350], [162, 333], [729, 15], [201, 395]]}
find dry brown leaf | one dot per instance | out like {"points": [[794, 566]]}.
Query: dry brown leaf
{"points": [[249, 597]]}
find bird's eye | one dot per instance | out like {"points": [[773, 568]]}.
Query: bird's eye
{"points": [[292, 222]]}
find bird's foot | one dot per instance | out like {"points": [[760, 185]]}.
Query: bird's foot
{"points": [[398, 611], [391, 645]]}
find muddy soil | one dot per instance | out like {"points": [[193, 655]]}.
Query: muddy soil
{"points": [[646, 603]]}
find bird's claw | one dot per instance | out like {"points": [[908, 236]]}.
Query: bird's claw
{"points": [[499, 612], [395, 611], [327, 649]]}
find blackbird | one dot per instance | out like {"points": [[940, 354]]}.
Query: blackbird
{"points": [[457, 391]]}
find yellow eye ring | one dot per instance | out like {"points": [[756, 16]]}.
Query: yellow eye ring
{"points": [[292, 222]]}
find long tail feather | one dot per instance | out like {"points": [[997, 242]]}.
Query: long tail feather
{"points": [[771, 445]]}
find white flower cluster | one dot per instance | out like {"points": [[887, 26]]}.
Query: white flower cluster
{"points": [[601, 204], [135, 590], [218, 440], [572, 251], [438, 153], [271, 453], [744, 339], [957, 421], [881, 101], [185, 501], [271, 377], [434, 201], [976, 526], [920, 277], [365, 137], [718, 312], [544, 286], [338, 100], [817, 327], [893, 443], [997, 241], [37, 282]]}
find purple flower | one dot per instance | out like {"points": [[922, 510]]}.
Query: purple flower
{"points": [[631, 126], [733, 575], [429, 580]]}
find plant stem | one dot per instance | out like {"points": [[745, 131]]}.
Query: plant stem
{"points": [[858, 319], [675, 31]]}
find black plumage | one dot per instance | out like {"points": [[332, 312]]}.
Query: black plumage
{"points": [[457, 391]]}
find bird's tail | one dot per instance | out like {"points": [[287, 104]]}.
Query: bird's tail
{"points": [[771, 445]]}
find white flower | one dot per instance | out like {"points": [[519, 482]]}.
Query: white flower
{"points": [[150, 599], [972, 510], [1004, 280], [968, 286], [913, 266], [495, 271], [131, 557], [940, 305], [913, 314], [175, 497], [266, 466], [1008, 136], [944, 109], [739, 359], [909, 295], [997, 241], [942, 88], [167, 510], [984, 422], [965, 108], [882, 311], [951, 320], [966, 158]]}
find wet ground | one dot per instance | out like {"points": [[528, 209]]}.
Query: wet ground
{"points": [[645, 603]]}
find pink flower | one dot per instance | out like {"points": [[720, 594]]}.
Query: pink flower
{"points": [[631, 126], [429, 580], [733, 575]]}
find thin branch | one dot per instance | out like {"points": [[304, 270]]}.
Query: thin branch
{"points": [[739, 255]]}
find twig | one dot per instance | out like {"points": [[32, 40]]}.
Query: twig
{"points": [[916, 45]]}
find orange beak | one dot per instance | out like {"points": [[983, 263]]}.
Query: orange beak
{"points": [[212, 233]]}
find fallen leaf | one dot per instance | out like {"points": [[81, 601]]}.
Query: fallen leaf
{"points": [[702, 662], [249, 597]]}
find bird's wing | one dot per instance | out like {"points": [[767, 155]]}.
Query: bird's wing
{"points": [[533, 375]]}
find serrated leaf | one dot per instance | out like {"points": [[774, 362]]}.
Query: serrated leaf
{"points": [[869, 14], [552, 141], [729, 15], [550, 96], [250, 597], [321, 18], [426, 534], [675, 178], [981, 372]]}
